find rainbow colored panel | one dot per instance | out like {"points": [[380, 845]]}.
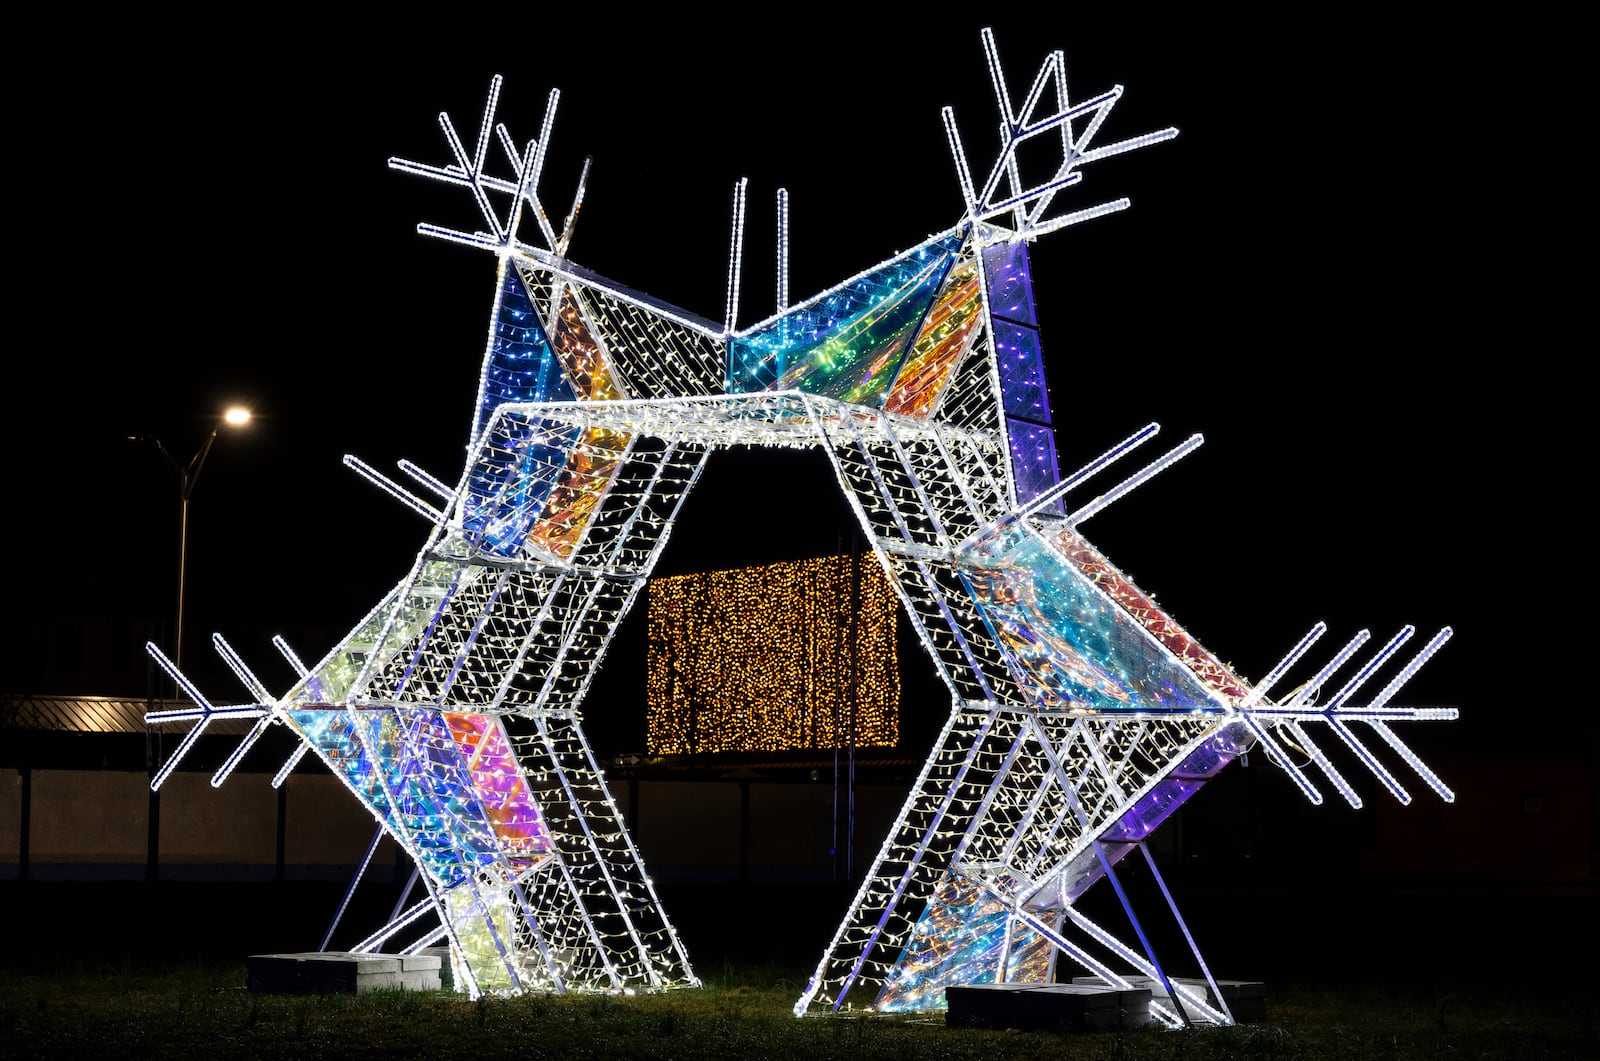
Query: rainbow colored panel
{"points": [[501, 788], [945, 336], [958, 940], [849, 343], [1071, 646]]}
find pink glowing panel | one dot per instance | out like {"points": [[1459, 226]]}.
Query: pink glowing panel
{"points": [[500, 786]]}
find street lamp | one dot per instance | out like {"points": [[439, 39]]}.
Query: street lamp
{"points": [[188, 474]]}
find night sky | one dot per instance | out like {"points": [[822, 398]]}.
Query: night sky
{"points": [[1320, 275]]}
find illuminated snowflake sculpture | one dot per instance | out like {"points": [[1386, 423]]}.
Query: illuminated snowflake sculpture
{"points": [[1082, 715]]}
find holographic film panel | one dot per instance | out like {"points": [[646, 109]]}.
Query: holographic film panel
{"points": [[1071, 645], [960, 939], [1021, 372], [849, 342], [1094, 566], [520, 461], [1033, 460], [580, 353], [943, 340], [500, 787]]}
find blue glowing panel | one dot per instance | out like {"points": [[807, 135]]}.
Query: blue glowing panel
{"points": [[1005, 266], [434, 803], [1033, 460], [517, 466], [333, 734], [520, 366], [1071, 646], [849, 343]]}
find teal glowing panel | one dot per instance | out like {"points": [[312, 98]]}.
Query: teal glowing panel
{"points": [[849, 343], [1072, 647]]}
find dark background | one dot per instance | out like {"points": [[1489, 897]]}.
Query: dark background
{"points": [[1335, 274]]}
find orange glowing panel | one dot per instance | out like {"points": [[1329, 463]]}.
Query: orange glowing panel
{"points": [[580, 355], [944, 338], [578, 489]]}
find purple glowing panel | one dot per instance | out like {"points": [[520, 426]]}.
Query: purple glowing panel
{"points": [[1033, 460], [1140, 820], [1005, 266], [1206, 760], [1021, 372]]}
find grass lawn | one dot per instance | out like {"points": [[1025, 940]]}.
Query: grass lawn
{"points": [[92, 980]]}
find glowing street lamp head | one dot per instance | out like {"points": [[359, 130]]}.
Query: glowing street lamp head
{"points": [[236, 416]]}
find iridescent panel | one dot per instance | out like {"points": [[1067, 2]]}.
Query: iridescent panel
{"points": [[580, 355], [331, 684], [501, 789], [481, 917], [1071, 646], [1094, 566], [332, 733], [849, 343], [959, 939], [433, 801], [944, 338], [591, 465], [518, 465], [1005, 266]]}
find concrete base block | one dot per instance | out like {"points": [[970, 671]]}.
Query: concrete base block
{"points": [[1046, 1007], [335, 972]]}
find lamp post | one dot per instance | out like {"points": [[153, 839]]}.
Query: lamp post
{"points": [[188, 475]]}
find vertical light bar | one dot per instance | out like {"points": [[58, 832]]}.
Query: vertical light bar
{"points": [[963, 171], [735, 254], [783, 249]]}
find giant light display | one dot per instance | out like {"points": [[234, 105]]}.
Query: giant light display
{"points": [[1082, 715]]}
